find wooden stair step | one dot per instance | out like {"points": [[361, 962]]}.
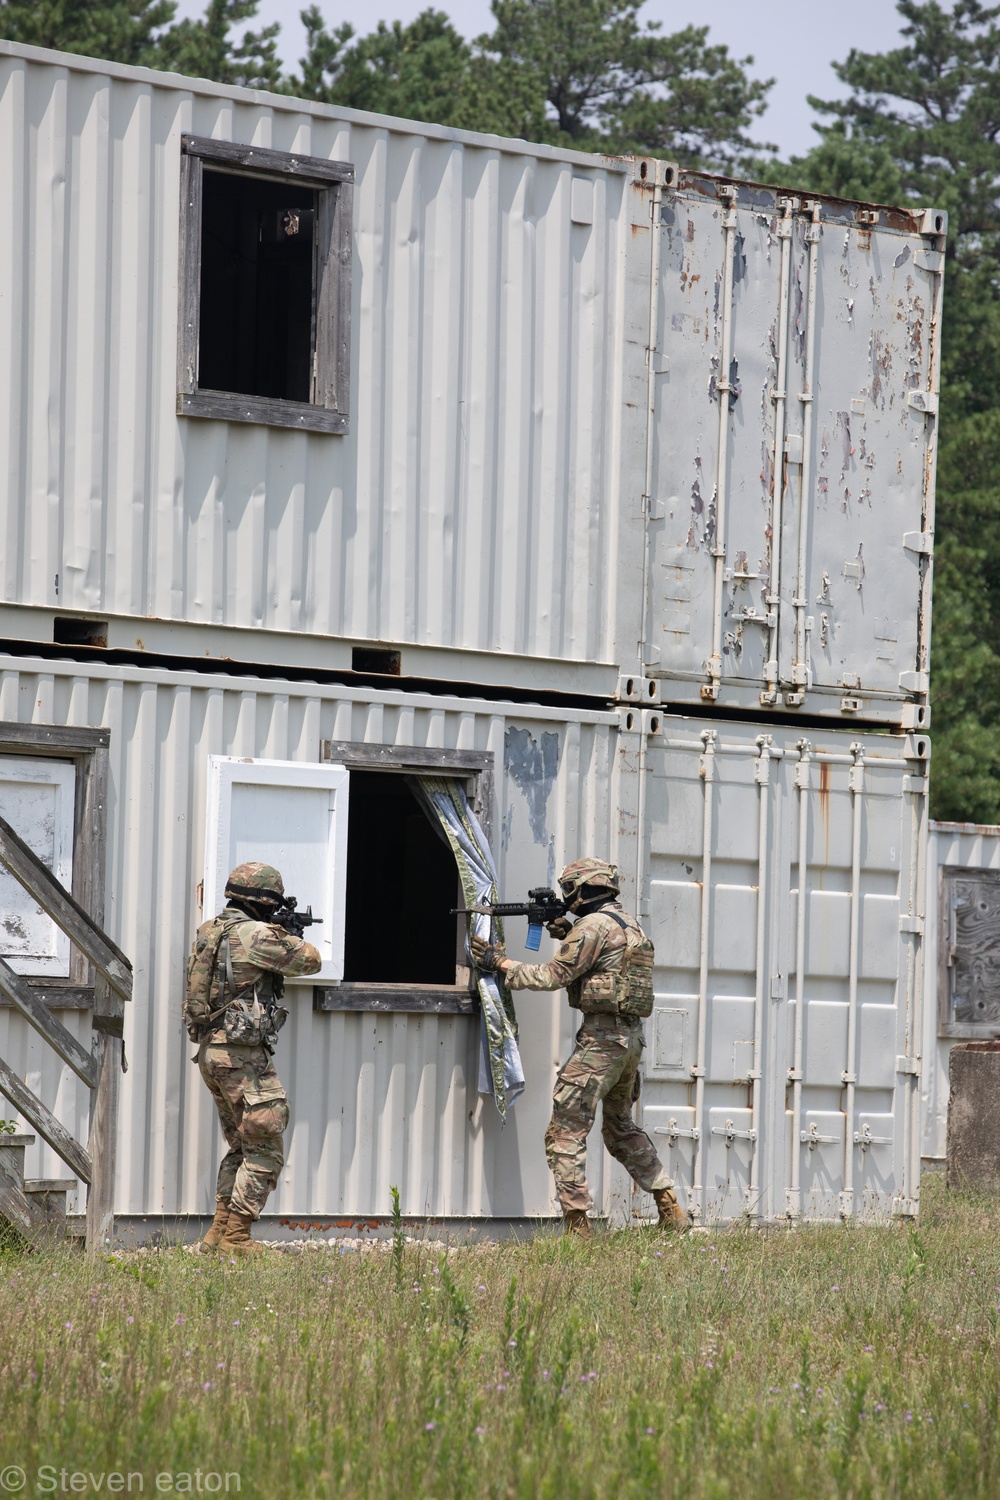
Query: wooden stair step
{"points": [[36, 1206]]}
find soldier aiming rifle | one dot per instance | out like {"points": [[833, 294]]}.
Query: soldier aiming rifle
{"points": [[235, 981], [605, 963]]}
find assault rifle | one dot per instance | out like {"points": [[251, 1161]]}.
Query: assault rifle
{"points": [[542, 906], [294, 921]]}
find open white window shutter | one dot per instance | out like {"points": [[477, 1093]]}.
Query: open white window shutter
{"points": [[291, 814], [37, 800]]}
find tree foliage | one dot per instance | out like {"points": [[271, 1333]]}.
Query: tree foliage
{"points": [[603, 81], [582, 73], [206, 49], [922, 125], [422, 71], [123, 30], [144, 32]]}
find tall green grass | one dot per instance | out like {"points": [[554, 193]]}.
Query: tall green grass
{"points": [[844, 1362]]}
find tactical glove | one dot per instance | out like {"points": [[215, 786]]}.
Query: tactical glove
{"points": [[559, 929], [487, 956]]}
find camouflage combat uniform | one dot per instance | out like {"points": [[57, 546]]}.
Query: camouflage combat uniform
{"points": [[240, 1076], [604, 1063]]}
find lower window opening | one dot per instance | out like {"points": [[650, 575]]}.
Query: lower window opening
{"points": [[401, 887]]}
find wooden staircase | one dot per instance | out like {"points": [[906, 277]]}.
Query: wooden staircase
{"points": [[38, 1208], [35, 1207]]}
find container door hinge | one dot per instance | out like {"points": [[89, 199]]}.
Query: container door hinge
{"points": [[921, 542], [910, 1065], [914, 682], [912, 924]]}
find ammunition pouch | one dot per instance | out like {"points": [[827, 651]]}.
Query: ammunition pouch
{"points": [[627, 991]]}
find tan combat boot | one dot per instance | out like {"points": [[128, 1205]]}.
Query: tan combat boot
{"points": [[575, 1222], [669, 1213], [236, 1240], [210, 1240]]}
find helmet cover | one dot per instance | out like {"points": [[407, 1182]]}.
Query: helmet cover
{"points": [[257, 882], [581, 872]]}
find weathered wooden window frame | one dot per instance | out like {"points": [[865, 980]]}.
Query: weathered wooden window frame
{"points": [[333, 181], [475, 769], [947, 1027], [88, 749]]}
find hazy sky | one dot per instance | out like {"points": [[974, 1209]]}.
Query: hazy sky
{"points": [[792, 41]]}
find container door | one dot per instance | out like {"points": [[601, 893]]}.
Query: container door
{"points": [[792, 407], [859, 423], [718, 288], [852, 1039], [781, 1052], [714, 805]]}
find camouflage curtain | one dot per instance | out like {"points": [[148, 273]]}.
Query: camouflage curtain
{"points": [[444, 800]]}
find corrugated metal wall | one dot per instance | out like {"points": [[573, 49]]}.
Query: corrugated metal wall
{"points": [[468, 506], [376, 1100]]}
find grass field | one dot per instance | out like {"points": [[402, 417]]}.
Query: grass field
{"points": [[841, 1362]]}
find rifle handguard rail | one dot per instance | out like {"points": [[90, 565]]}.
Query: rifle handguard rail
{"points": [[542, 906]]}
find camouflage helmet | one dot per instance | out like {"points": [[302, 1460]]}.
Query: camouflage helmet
{"points": [[256, 882], [594, 872]]}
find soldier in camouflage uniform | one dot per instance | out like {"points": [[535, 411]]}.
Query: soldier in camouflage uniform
{"points": [[235, 978], [595, 952]]}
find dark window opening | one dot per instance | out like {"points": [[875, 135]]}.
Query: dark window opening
{"points": [[376, 659], [401, 887], [67, 631], [256, 332]]}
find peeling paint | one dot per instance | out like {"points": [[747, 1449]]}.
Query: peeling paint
{"points": [[902, 257], [767, 468], [846, 451], [739, 259], [532, 765]]}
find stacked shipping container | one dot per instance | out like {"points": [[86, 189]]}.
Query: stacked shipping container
{"points": [[640, 472]]}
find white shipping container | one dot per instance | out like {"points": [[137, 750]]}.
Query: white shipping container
{"points": [[701, 817], [471, 504], [601, 415], [378, 1099], [961, 962]]}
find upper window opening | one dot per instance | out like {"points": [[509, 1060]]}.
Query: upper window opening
{"points": [[255, 334], [401, 888], [265, 316]]}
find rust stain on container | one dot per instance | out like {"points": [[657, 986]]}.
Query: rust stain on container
{"points": [[824, 807]]}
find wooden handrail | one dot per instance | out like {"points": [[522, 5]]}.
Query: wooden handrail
{"points": [[67, 914], [38, 1015], [45, 1122]]}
